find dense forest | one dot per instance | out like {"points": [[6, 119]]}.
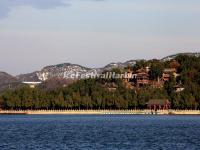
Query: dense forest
{"points": [[95, 94]]}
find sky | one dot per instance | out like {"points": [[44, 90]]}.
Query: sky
{"points": [[93, 33]]}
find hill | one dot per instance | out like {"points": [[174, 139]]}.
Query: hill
{"points": [[7, 81]]}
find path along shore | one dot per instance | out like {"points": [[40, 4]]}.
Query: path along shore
{"points": [[101, 112]]}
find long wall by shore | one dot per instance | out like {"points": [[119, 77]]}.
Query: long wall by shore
{"points": [[101, 112]]}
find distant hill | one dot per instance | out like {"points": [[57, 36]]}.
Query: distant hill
{"points": [[7, 81], [65, 70], [68, 70], [167, 58]]}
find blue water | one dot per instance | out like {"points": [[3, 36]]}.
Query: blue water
{"points": [[99, 132]]}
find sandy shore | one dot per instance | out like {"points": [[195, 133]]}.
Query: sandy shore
{"points": [[101, 112]]}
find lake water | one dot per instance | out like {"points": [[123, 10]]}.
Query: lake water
{"points": [[99, 132]]}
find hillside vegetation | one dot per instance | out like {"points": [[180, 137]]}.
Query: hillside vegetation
{"points": [[96, 93]]}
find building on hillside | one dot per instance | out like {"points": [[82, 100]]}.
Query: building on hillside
{"points": [[158, 104], [165, 77], [142, 77], [32, 84], [179, 88], [168, 72]]}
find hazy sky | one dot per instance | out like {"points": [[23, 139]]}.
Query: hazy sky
{"points": [[36, 33]]}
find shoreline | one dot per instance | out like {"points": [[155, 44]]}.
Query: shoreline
{"points": [[99, 112]]}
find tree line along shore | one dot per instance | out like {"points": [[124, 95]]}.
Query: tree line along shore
{"points": [[117, 94], [100, 112]]}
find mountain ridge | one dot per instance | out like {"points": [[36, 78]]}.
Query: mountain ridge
{"points": [[69, 69], [64, 70]]}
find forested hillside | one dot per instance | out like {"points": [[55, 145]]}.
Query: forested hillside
{"points": [[113, 93]]}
